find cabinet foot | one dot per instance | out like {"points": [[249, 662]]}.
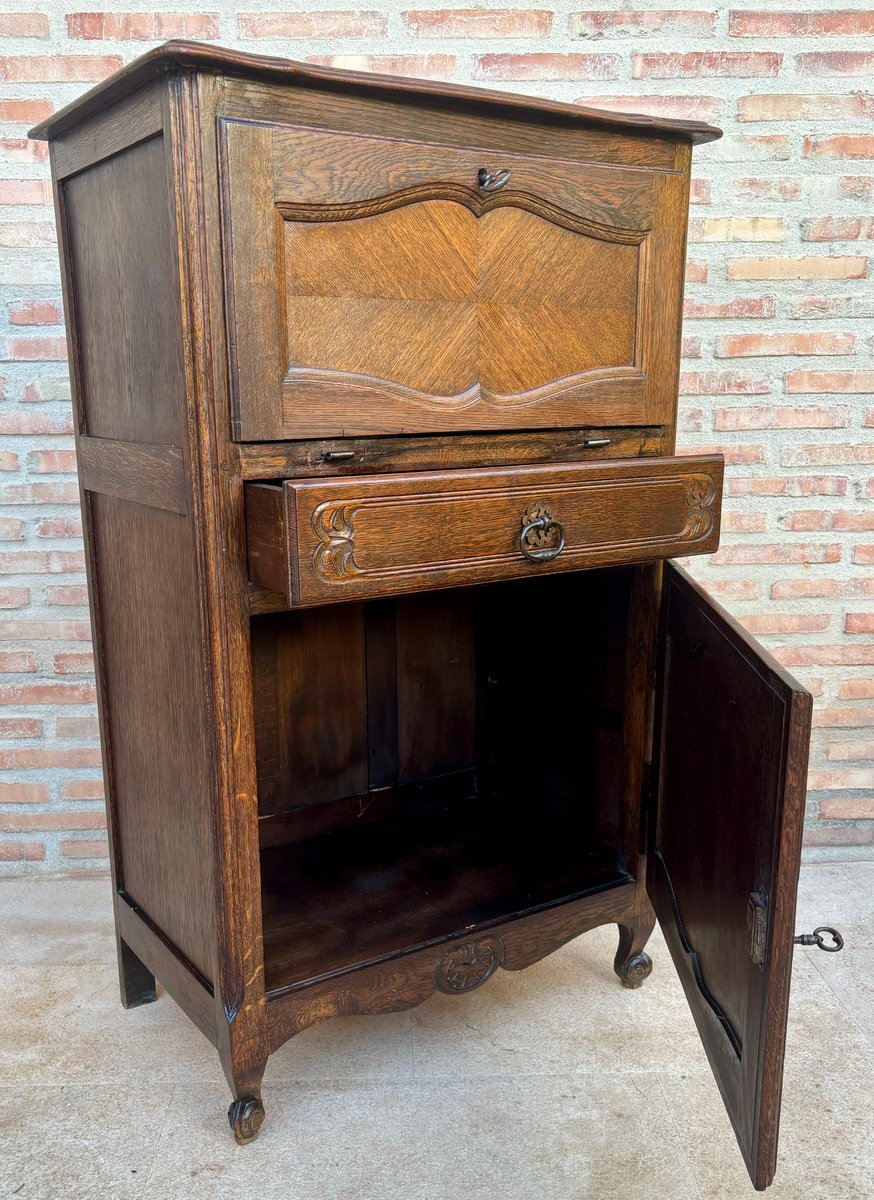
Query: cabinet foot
{"points": [[136, 981], [246, 1117], [631, 964]]}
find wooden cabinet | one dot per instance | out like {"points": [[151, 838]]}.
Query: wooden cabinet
{"points": [[375, 386]]}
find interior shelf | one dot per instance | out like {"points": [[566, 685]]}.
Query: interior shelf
{"points": [[433, 873]]}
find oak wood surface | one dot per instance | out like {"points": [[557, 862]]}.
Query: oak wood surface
{"points": [[373, 536], [146, 474], [729, 797], [174, 55]]}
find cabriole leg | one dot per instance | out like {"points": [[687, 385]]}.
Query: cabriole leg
{"points": [[631, 964]]}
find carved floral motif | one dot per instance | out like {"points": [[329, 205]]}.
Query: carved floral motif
{"points": [[334, 557], [700, 493], [468, 966]]}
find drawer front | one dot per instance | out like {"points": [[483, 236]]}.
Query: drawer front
{"points": [[332, 540], [381, 287]]}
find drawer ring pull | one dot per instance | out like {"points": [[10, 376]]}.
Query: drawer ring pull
{"points": [[492, 181], [538, 529]]}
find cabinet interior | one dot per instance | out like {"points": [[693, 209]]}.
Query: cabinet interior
{"points": [[432, 764]]}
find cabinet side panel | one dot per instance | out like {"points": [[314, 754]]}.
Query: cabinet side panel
{"points": [[151, 668], [125, 288]]}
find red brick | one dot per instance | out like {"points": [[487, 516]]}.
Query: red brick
{"points": [[808, 520], [24, 25], [52, 462], [10, 529], [74, 664], [741, 522], [61, 527], [804, 589], [831, 266], [850, 382], [789, 485], [48, 692], [27, 111], [14, 597], [478, 22], [699, 192], [77, 727], [740, 306], [737, 229], [42, 757], [71, 594], [24, 191], [691, 347], [17, 662], [841, 146], [41, 631], [141, 26], [82, 848], [24, 793], [8, 460], [815, 307], [338, 23], [547, 66], [59, 68], [837, 229], [783, 552], [21, 562], [418, 66], [643, 22], [826, 454], [857, 622], [841, 655], [838, 835], [843, 718], [767, 189], [696, 272], [766, 623], [782, 107], [36, 312], [20, 727], [734, 589], [39, 493], [38, 349], [22, 150], [698, 64], [835, 62], [859, 750], [856, 187], [753, 345], [800, 24], [723, 383], [83, 789], [50, 822], [857, 689], [777, 417], [684, 108], [22, 851], [843, 806]]}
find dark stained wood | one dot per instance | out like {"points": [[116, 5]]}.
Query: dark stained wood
{"points": [[151, 660], [359, 456], [134, 119], [400, 983], [384, 535], [311, 715], [180, 54], [341, 808], [190, 991], [729, 797], [150, 475], [125, 297]]}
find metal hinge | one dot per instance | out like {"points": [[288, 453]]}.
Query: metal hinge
{"points": [[757, 922]]}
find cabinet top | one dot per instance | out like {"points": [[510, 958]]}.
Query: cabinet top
{"points": [[175, 56]]}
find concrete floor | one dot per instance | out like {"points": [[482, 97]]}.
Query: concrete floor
{"points": [[553, 1084]]}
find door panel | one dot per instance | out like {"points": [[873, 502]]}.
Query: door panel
{"points": [[725, 841], [376, 286]]}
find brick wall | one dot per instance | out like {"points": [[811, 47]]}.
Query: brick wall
{"points": [[778, 370]]}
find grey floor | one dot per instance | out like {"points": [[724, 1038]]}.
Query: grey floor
{"points": [[551, 1084]]}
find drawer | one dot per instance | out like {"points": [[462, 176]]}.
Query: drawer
{"points": [[323, 540], [377, 286]]}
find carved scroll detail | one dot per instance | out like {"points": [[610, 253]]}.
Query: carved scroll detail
{"points": [[700, 494], [334, 557], [468, 966]]}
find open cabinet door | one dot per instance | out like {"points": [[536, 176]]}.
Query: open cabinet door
{"points": [[730, 760]]}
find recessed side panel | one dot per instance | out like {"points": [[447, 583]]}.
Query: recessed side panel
{"points": [[153, 684]]}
